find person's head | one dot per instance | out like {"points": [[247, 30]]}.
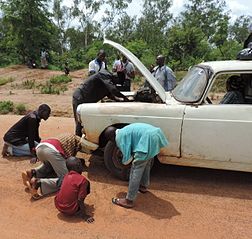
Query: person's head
{"points": [[234, 83], [124, 58], [110, 133], [101, 55], [74, 164], [160, 60], [44, 111]]}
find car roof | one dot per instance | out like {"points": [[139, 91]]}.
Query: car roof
{"points": [[230, 65]]}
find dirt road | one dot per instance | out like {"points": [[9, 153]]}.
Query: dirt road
{"points": [[182, 202]]}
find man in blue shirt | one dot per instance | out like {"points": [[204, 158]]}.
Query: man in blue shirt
{"points": [[164, 74], [139, 143]]}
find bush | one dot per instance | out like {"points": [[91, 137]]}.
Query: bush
{"points": [[20, 109], [28, 84], [62, 79], [6, 107], [49, 89], [4, 81]]}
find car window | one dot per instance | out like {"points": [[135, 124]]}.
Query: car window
{"points": [[192, 86], [220, 94]]}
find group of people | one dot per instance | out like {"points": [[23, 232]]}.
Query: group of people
{"points": [[60, 171], [125, 71]]}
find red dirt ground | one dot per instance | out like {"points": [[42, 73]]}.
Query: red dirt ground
{"points": [[183, 203]]}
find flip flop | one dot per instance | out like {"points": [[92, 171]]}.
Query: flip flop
{"points": [[117, 201], [143, 189]]}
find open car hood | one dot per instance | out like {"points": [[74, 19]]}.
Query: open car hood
{"points": [[140, 66]]}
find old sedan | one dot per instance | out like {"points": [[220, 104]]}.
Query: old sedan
{"points": [[201, 133]]}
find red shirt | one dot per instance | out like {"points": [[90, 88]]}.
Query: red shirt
{"points": [[73, 188]]}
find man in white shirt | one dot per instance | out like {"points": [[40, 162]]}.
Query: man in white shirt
{"points": [[98, 63], [125, 72]]}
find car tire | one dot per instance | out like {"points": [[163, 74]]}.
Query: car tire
{"points": [[113, 161]]}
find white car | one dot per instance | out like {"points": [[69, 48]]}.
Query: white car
{"points": [[201, 133]]}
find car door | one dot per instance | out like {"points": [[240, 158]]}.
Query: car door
{"points": [[218, 133]]}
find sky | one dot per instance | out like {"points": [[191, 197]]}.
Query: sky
{"points": [[236, 7]]}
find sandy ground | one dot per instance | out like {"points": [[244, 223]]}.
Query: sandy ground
{"points": [[183, 203]]}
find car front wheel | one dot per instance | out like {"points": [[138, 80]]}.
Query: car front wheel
{"points": [[113, 161]]}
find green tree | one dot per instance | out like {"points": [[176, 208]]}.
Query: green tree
{"points": [[153, 24], [85, 11], [239, 29], [186, 46], [30, 26], [123, 30], [114, 9], [210, 16]]}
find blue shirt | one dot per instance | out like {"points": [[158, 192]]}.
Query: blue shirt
{"points": [[165, 77], [144, 141]]}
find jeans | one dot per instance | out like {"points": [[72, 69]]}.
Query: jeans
{"points": [[21, 150], [139, 175]]}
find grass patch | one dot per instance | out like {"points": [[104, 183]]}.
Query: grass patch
{"points": [[28, 84], [61, 79], [6, 107], [49, 88], [20, 109], [4, 80]]}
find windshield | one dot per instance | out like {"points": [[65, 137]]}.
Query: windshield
{"points": [[192, 86]]}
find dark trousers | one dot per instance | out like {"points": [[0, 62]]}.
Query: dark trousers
{"points": [[77, 100]]}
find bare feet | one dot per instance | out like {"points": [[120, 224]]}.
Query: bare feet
{"points": [[33, 187], [5, 150], [26, 176]]}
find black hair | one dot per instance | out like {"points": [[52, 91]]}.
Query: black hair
{"points": [[74, 164], [44, 107]]}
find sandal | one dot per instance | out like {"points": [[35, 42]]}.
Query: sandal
{"points": [[119, 202], [143, 189]]}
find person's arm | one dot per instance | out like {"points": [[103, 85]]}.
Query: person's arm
{"points": [[131, 73], [115, 94], [170, 79], [91, 68], [84, 191], [33, 134], [84, 215]]}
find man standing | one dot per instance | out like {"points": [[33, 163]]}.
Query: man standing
{"points": [[22, 137], [125, 72], [164, 74], [43, 58], [98, 63], [92, 90], [139, 143]]}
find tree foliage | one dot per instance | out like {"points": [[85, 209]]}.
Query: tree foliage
{"points": [[29, 26], [74, 33]]}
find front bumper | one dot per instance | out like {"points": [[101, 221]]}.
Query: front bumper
{"points": [[87, 146]]}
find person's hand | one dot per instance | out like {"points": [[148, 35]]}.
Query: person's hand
{"points": [[126, 99], [88, 219], [34, 160]]}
